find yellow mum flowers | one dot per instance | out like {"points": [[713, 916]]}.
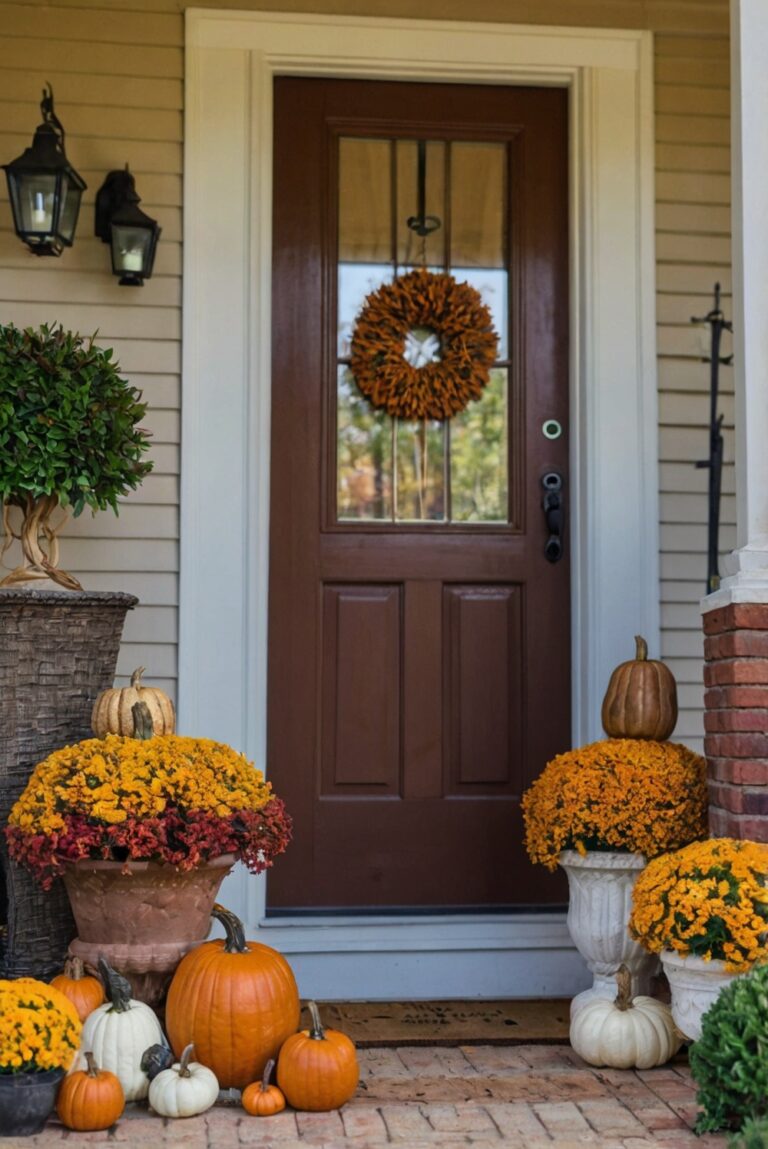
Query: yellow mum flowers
{"points": [[39, 1027]]}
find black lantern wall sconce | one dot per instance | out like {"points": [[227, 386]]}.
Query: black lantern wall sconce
{"points": [[44, 188], [131, 233]]}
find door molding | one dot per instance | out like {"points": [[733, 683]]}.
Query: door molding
{"points": [[231, 59]]}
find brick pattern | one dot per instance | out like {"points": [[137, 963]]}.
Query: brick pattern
{"points": [[736, 719], [529, 1096]]}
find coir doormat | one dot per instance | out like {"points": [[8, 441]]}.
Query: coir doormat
{"points": [[449, 1022]]}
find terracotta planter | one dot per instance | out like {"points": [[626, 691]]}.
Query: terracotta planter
{"points": [[142, 916], [600, 901], [694, 985]]}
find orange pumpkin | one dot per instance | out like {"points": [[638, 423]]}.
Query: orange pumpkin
{"points": [[237, 1002], [641, 699], [90, 1099], [261, 1099], [85, 992], [317, 1068]]}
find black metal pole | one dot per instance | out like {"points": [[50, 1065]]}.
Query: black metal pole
{"points": [[714, 463]]}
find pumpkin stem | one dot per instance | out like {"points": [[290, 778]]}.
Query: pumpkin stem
{"points": [[143, 728], [316, 1033], [136, 677], [624, 984], [73, 967], [117, 987], [641, 648], [92, 1068], [267, 1074], [235, 942], [186, 1057]]}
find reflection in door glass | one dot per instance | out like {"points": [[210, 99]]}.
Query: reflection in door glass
{"points": [[420, 494], [364, 450], [479, 457]]}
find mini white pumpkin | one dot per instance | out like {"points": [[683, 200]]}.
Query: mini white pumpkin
{"points": [[625, 1033], [184, 1090], [118, 1032]]}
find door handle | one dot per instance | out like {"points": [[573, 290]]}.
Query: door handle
{"points": [[554, 515]]}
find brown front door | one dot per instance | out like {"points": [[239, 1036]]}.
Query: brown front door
{"points": [[419, 637]]}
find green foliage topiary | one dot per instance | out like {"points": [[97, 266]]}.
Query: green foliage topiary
{"points": [[69, 437], [729, 1062]]}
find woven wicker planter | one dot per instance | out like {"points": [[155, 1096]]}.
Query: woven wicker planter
{"points": [[58, 649]]}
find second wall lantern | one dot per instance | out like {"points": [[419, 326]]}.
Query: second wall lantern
{"points": [[131, 233], [44, 188]]}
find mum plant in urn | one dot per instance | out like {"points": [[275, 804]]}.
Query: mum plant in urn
{"points": [[601, 811], [143, 830]]}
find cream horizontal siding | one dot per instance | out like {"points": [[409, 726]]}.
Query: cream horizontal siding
{"points": [[693, 252], [117, 77]]}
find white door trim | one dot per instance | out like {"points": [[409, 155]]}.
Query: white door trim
{"points": [[231, 59]]}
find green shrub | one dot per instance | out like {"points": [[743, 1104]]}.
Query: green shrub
{"points": [[753, 1135], [729, 1062], [68, 421]]}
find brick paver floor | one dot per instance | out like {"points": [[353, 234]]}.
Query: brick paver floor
{"points": [[416, 1097]]}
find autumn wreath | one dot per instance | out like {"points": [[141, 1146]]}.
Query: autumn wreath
{"points": [[461, 346]]}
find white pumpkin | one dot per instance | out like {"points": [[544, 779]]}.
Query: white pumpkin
{"points": [[184, 1090], [118, 1032], [627, 1033]]}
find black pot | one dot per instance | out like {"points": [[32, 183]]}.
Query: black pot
{"points": [[27, 1101]]}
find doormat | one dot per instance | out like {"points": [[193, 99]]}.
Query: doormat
{"points": [[372, 1023]]}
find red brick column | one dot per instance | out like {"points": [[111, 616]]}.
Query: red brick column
{"points": [[736, 719]]}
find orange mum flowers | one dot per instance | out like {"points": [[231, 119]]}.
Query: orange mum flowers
{"points": [[618, 794], [709, 900]]}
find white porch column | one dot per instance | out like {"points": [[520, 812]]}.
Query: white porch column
{"points": [[747, 567]]}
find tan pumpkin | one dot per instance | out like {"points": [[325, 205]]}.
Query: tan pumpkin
{"points": [[113, 709], [625, 1033], [317, 1069], [641, 699], [85, 992], [261, 1099]]}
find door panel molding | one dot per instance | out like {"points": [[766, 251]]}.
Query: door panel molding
{"points": [[231, 59]]}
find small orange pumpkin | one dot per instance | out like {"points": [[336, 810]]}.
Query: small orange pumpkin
{"points": [[236, 1000], [85, 992], [113, 709], [317, 1068], [641, 699], [261, 1099], [90, 1098]]}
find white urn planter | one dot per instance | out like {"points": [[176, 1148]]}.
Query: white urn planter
{"points": [[694, 985], [600, 901]]}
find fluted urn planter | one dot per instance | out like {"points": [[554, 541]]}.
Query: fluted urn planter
{"points": [[143, 917], [694, 985], [600, 901]]}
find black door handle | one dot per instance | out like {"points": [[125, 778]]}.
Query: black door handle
{"points": [[554, 515]]}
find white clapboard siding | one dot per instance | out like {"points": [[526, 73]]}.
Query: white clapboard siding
{"points": [[117, 70]]}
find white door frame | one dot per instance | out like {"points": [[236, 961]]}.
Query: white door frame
{"points": [[231, 59]]}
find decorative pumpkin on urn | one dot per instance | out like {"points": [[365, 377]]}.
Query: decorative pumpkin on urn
{"points": [[317, 1068], [236, 1000], [626, 1033], [113, 709], [641, 699], [90, 1099]]}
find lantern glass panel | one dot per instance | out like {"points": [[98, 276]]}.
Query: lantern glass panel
{"points": [[70, 208], [131, 249], [33, 196]]}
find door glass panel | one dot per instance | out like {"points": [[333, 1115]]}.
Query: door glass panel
{"points": [[364, 445], [420, 494], [395, 471], [478, 456]]}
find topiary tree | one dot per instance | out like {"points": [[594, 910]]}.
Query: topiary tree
{"points": [[69, 438], [729, 1062]]}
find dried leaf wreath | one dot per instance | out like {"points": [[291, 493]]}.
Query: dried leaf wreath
{"points": [[459, 320]]}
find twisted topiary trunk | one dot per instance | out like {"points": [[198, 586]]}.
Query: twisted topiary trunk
{"points": [[39, 542]]}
